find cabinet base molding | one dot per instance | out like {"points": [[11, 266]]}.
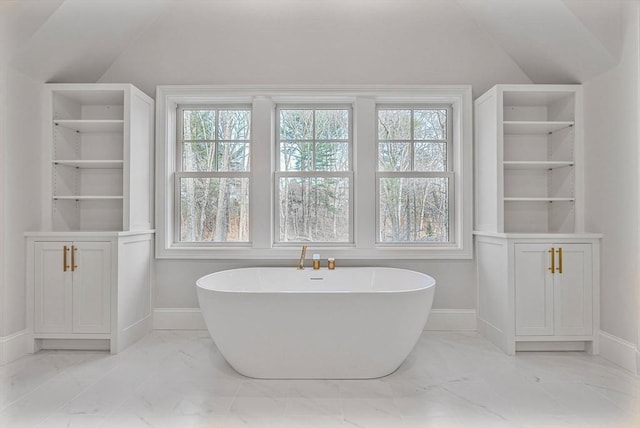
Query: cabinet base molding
{"points": [[74, 344], [551, 346]]}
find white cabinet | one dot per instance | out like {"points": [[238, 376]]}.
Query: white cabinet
{"points": [[72, 287], [538, 292], [528, 164], [89, 290], [100, 143], [553, 289]]}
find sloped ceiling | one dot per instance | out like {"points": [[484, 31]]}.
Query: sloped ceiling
{"points": [[552, 41], [81, 38]]}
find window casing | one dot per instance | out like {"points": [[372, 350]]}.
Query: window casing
{"points": [[265, 167]]}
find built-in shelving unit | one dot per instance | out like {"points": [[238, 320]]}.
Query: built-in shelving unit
{"points": [[96, 134], [528, 159], [537, 269], [90, 267]]}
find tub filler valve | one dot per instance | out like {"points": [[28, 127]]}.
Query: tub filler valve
{"points": [[302, 255]]}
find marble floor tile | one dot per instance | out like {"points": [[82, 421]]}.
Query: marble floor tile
{"points": [[450, 380]]}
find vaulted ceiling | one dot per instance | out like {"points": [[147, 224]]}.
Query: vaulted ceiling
{"points": [[551, 41]]}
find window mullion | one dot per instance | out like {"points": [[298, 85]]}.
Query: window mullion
{"points": [[365, 164], [263, 183]]}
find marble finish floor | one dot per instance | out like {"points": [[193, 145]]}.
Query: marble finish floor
{"points": [[451, 379]]}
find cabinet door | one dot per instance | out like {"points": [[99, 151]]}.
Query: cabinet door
{"points": [[92, 287], [533, 290], [52, 288], [573, 291]]}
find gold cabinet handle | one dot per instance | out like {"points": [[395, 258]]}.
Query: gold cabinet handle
{"points": [[552, 251], [65, 266], [73, 258], [559, 250]]}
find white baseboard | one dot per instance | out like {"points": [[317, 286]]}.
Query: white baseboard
{"points": [[133, 333], [178, 319], [191, 319], [620, 352], [13, 347], [452, 320]]}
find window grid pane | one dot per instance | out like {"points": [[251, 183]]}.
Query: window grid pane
{"points": [[414, 209], [413, 202], [314, 209], [215, 152], [215, 139], [214, 209], [313, 204]]}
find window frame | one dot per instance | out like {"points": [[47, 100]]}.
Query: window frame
{"points": [[449, 173], [179, 174], [264, 99], [280, 173]]}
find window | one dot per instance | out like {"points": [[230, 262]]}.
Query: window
{"points": [[213, 175], [313, 178], [414, 192], [247, 172]]}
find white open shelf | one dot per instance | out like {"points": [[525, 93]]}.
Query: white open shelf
{"points": [[526, 127], [91, 125], [87, 198], [98, 164], [525, 199], [548, 165]]}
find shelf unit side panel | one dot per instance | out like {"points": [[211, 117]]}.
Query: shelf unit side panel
{"points": [[102, 112], [531, 183], [100, 182], [526, 217], [525, 113], [561, 182], [101, 146], [488, 160], [578, 155], [525, 147], [562, 217], [101, 215], [563, 107], [562, 145], [65, 215], [65, 108], [138, 206], [493, 283]]}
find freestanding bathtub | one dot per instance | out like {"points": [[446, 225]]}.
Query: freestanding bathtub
{"points": [[283, 323]]}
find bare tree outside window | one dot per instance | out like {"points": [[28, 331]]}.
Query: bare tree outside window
{"points": [[213, 182], [314, 175], [413, 174]]}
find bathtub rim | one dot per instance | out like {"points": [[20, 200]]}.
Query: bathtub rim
{"points": [[431, 282]]}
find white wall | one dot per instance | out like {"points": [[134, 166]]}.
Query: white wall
{"points": [[612, 116], [20, 118], [293, 42], [315, 42]]}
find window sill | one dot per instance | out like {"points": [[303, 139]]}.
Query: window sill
{"points": [[293, 253]]}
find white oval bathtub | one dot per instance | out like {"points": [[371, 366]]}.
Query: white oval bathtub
{"points": [[283, 323]]}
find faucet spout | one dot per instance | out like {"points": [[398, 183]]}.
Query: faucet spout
{"points": [[302, 255]]}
